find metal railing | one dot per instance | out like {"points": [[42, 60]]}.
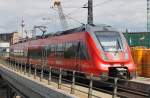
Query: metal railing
{"points": [[74, 80]]}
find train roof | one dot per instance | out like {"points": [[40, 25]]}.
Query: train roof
{"points": [[85, 28]]}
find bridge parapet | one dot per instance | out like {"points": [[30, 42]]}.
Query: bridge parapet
{"points": [[31, 88]]}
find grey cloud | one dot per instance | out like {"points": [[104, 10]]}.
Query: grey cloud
{"points": [[119, 13]]}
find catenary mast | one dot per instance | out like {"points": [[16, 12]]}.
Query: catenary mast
{"points": [[90, 12], [148, 15]]}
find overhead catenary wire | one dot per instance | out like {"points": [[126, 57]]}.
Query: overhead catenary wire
{"points": [[73, 12], [86, 5], [104, 2]]}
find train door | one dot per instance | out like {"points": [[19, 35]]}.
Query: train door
{"points": [[82, 57], [44, 57], [27, 55], [60, 55], [69, 56]]}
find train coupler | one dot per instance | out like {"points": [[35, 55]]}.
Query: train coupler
{"points": [[120, 72]]}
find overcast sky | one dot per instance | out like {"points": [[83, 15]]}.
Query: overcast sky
{"points": [[121, 14]]}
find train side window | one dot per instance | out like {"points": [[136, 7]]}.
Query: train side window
{"points": [[35, 54], [76, 46], [53, 48], [70, 50], [21, 53], [15, 53], [83, 51], [11, 52], [25, 53], [38, 53], [60, 50], [31, 53], [48, 50]]}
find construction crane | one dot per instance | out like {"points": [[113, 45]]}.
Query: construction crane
{"points": [[57, 4]]}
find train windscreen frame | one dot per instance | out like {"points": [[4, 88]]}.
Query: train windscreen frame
{"points": [[110, 41]]}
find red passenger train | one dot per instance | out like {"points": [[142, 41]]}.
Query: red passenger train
{"points": [[100, 50]]}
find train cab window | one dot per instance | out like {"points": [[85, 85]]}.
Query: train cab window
{"points": [[110, 41]]}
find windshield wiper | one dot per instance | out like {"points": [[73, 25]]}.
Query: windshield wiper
{"points": [[119, 49]]}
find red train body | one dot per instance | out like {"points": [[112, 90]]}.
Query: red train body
{"points": [[100, 50]]}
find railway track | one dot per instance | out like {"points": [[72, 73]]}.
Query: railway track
{"points": [[127, 90]]}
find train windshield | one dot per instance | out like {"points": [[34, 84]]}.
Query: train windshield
{"points": [[110, 41]]}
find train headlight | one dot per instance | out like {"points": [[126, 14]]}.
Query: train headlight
{"points": [[126, 56]]}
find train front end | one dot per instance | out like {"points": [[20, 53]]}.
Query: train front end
{"points": [[114, 58]]}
